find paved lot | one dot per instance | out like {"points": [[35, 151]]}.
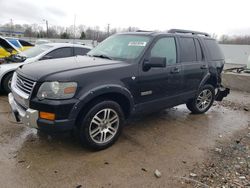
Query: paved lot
{"points": [[171, 141]]}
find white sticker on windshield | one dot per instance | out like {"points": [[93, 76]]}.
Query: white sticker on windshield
{"points": [[137, 43]]}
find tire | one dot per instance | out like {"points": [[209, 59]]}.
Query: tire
{"points": [[203, 100], [7, 83], [102, 125]]}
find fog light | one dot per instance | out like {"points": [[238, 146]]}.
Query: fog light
{"points": [[47, 115]]}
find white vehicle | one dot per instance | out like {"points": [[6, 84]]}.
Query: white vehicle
{"points": [[38, 53]]}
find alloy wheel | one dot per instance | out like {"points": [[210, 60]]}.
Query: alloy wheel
{"points": [[204, 99], [104, 126]]}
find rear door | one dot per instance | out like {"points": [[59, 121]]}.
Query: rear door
{"points": [[193, 63]]}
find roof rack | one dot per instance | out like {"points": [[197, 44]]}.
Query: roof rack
{"points": [[143, 31], [188, 32]]}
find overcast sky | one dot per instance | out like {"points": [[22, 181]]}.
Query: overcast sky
{"points": [[213, 16]]}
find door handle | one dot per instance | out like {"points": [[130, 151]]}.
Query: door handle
{"points": [[175, 70], [204, 67]]}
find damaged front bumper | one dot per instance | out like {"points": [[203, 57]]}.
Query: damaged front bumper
{"points": [[28, 117]]}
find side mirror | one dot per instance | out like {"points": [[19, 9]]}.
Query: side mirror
{"points": [[154, 62], [46, 57]]}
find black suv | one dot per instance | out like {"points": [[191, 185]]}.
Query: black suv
{"points": [[127, 74]]}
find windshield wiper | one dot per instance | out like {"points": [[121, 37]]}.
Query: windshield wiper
{"points": [[102, 56]]}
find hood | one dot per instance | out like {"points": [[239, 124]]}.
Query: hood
{"points": [[6, 45], [37, 70]]}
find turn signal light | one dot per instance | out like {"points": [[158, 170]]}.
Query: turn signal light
{"points": [[69, 90], [47, 115]]}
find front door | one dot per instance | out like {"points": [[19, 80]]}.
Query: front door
{"points": [[158, 87]]}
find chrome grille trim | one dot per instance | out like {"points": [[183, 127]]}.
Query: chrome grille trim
{"points": [[24, 84]]}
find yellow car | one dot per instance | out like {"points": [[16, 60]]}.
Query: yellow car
{"points": [[11, 46]]}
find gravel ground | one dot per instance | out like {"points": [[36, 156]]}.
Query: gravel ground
{"points": [[161, 150], [227, 164]]}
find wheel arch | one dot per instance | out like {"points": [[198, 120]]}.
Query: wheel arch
{"points": [[118, 94], [209, 79], [4, 76]]}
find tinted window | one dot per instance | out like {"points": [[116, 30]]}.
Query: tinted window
{"points": [[25, 43], [60, 53], [198, 50], [80, 51], [188, 52], [214, 50], [165, 47]]}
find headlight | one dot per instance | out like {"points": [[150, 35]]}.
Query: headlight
{"points": [[57, 90]]}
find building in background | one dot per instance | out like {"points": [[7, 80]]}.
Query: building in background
{"points": [[11, 32], [236, 54]]}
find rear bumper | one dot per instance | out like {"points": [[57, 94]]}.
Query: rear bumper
{"points": [[30, 118], [221, 93]]}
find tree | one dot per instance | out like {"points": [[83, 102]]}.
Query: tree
{"points": [[64, 35], [83, 36]]}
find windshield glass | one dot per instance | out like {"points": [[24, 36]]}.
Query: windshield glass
{"points": [[33, 52], [15, 43], [122, 47]]}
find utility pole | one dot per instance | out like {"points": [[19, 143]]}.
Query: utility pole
{"points": [[108, 29], [47, 27], [11, 27], [74, 28]]}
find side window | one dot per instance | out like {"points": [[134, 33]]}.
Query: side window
{"points": [[80, 51], [60, 53], [199, 51], [214, 49], [188, 52], [165, 47]]}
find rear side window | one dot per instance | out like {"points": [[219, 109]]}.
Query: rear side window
{"points": [[80, 51], [187, 52], [214, 50], [165, 47], [61, 53]]}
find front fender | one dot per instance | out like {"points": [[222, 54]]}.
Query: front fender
{"points": [[99, 91], [6, 69]]}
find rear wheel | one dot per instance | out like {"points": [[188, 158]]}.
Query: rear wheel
{"points": [[203, 101], [7, 83], [102, 125]]}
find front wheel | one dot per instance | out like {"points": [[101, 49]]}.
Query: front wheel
{"points": [[7, 83], [102, 125], [203, 101]]}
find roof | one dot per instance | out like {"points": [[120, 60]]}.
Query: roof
{"points": [[67, 45]]}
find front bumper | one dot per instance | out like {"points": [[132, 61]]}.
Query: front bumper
{"points": [[28, 117]]}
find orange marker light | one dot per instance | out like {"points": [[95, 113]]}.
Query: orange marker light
{"points": [[69, 90], [47, 115]]}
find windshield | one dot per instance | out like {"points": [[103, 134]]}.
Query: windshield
{"points": [[15, 43], [122, 47], [33, 52]]}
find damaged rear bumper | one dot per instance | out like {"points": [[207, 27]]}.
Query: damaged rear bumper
{"points": [[221, 93]]}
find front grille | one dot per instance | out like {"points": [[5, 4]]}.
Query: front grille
{"points": [[24, 84]]}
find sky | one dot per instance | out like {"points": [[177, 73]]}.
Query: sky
{"points": [[213, 16]]}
